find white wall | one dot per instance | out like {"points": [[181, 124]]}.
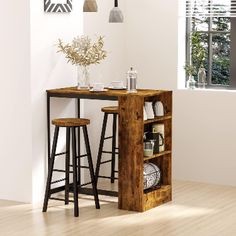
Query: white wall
{"points": [[49, 70], [204, 136], [152, 43], [15, 119]]}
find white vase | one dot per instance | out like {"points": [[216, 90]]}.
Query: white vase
{"points": [[159, 109], [191, 83], [201, 82], [149, 110], [83, 78]]}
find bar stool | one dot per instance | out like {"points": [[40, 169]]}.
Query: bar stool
{"points": [[71, 124], [111, 110]]}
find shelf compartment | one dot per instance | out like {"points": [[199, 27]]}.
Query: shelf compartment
{"points": [[155, 197], [157, 155], [158, 119]]}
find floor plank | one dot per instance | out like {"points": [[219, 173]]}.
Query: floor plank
{"points": [[196, 210]]}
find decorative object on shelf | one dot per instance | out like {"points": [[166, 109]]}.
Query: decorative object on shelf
{"points": [[157, 139], [90, 6], [151, 175], [83, 53], [116, 15], [190, 71], [159, 109], [159, 129], [149, 110], [201, 82], [50, 6], [144, 114], [132, 76], [148, 148]]}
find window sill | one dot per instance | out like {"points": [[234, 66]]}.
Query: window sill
{"points": [[230, 90]]}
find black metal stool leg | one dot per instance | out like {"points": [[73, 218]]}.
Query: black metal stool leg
{"points": [[50, 170], [75, 185], [102, 139], [113, 157], [67, 165], [91, 170]]}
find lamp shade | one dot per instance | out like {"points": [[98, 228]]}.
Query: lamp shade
{"points": [[90, 6], [116, 15]]}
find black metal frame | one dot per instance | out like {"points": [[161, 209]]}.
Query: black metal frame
{"points": [[101, 151], [78, 97], [75, 186]]}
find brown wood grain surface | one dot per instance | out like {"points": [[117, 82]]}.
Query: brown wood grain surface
{"points": [[109, 92]]}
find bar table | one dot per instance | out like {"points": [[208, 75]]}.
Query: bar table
{"points": [[131, 195]]}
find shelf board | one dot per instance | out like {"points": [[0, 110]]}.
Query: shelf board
{"points": [[155, 197], [158, 119], [157, 189], [157, 155]]}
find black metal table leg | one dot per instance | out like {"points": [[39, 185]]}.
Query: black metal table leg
{"points": [[78, 144], [48, 127], [67, 164], [113, 158]]}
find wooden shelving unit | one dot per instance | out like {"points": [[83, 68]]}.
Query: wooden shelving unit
{"points": [[132, 195]]}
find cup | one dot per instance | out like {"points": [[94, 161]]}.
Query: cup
{"points": [[148, 148], [98, 86], [117, 84]]}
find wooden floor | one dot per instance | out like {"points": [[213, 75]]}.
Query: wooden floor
{"points": [[196, 209]]}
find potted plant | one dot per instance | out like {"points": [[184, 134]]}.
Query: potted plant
{"points": [[82, 52]]}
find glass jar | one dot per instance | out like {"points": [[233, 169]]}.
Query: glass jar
{"points": [[83, 77], [132, 81]]}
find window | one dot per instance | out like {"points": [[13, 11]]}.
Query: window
{"points": [[211, 39], [212, 35]]}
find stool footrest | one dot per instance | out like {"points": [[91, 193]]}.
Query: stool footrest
{"points": [[61, 171], [60, 154], [57, 181], [104, 162], [107, 152], [81, 156], [109, 137], [84, 167], [105, 177], [59, 199], [82, 185]]}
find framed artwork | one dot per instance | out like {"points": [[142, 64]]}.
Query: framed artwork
{"points": [[57, 5]]}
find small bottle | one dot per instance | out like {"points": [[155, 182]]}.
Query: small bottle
{"points": [[132, 81]]}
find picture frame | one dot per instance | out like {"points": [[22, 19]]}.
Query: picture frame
{"points": [[59, 7]]}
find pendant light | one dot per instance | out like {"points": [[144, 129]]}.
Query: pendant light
{"points": [[116, 15], [90, 6]]}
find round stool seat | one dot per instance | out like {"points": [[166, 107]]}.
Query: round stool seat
{"points": [[111, 110], [70, 122]]}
